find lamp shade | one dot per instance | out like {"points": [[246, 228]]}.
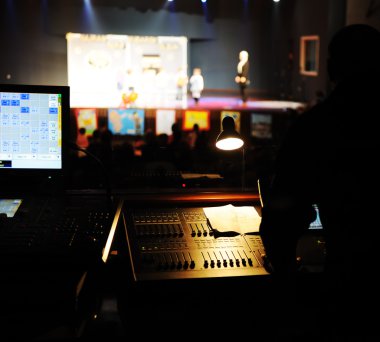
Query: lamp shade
{"points": [[229, 139]]}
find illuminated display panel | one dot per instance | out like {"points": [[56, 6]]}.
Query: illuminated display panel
{"points": [[31, 126]]}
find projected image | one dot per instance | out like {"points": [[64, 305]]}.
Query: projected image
{"points": [[88, 119], [261, 126], [200, 117], [234, 115], [126, 121], [109, 71]]}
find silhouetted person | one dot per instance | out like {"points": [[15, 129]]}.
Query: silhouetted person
{"points": [[330, 157], [101, 161], [193, 136], [82, 140], [149, 149], [179, 149]]}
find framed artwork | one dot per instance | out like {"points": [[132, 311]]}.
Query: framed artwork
{"points": [[127, 121], [309, 55], [191, 117], [234, 115], [87, 118], [261, 126], [165, 118]]}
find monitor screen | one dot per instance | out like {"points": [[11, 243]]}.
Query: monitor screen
{"points": [[316, 224], [128, 121], [33, 125]]}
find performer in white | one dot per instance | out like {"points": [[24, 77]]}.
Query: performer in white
{"points": [[196, 84], [242, 74]]}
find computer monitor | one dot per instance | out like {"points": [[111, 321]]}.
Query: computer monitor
{"points": [[34, 124]]}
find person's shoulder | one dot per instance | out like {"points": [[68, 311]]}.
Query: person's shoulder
{"points": [[309, 122], [316, 113]]}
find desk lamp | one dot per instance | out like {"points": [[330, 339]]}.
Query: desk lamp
{"points": [[229, 139]]}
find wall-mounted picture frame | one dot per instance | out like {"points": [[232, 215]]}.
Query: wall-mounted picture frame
{"points": [[309, 55]]}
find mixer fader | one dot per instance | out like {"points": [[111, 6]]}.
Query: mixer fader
{"points": [[178, 243]]}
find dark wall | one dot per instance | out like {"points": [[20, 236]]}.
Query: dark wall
{"points": [[296, 18], [364, 11], [34, 44], [34, 48]]}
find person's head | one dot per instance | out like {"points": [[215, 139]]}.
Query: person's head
{"points": [[354, 52], [82, 131], [243, 55], [197, 71], [175, 127], [96, 134]]}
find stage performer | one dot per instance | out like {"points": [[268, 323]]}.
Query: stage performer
{"points": [[242, 78], [196, 84]]}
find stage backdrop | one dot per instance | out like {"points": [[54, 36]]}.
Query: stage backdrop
{"points": [[109, 71]]}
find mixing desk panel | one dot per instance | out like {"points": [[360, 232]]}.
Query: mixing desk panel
{"points": [[177, 243]]}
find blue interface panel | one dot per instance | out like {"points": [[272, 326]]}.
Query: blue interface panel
{"points": [[30, 130]]}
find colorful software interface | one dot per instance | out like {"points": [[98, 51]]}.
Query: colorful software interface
{"points": [[30, 130]]}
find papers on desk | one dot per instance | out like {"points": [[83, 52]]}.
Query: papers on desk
{"points": [[230, 219], [200, 175]]}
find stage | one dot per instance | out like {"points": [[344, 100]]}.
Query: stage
{"points": [[235, 103]]}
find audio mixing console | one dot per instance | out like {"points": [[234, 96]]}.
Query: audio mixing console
{"points": [[178, 243]]}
